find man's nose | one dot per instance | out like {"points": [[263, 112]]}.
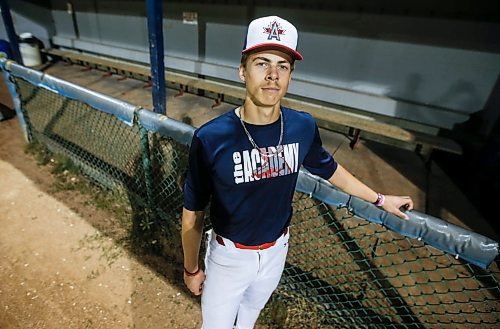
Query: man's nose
{"points": [[272, 74]]}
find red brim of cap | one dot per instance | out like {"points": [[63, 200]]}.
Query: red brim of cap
{"points": [[295, 55]]}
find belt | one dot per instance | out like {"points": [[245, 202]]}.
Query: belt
{"points": [[263, 246]]}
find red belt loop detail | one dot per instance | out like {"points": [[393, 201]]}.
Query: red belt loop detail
{"points": [[258, 247], [220, 240]]}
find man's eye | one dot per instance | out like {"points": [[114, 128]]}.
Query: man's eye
{"points": [[283, 68], [262, 64]]}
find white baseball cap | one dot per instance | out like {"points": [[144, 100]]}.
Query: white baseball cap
{"points": [[272, 31]]}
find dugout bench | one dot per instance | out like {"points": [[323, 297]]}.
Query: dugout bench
{"points": [[352, 122]]}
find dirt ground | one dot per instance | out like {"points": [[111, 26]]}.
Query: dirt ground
{"points": [[60, 264]]}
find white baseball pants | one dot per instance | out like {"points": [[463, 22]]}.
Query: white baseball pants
{"points": [[239, 282]]}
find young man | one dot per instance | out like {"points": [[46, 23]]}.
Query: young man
{"points": [[246, 163]]}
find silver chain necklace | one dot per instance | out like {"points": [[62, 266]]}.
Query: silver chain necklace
{"points": [[279, 147]]}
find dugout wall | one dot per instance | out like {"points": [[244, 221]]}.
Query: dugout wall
{"points": [[431, 64]]}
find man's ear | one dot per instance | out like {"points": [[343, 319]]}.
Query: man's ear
{"points": [[242, 73]]}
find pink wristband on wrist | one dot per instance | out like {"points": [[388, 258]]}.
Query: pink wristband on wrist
{"points": [[380, 200]]}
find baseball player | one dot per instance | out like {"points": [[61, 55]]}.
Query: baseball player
{"points": [[245, 163]]}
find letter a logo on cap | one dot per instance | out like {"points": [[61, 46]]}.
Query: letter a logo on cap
{"points": [[274, 31]]}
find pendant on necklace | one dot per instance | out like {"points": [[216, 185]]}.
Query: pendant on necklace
{"points": [[270, 154]]}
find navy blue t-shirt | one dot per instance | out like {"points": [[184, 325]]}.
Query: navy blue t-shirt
{"points": [[251, 195]]}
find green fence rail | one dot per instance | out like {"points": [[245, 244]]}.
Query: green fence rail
{"points": [[344, 271]]}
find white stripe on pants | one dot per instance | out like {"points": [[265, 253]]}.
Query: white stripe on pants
{"points": [[239, 282]]}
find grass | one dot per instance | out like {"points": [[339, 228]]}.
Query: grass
{"points": [[291, 311], [143, 231], [68, 177]]}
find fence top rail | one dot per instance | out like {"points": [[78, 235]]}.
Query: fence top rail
{"points": [[461, 243], [122, 110], [165, 126]]}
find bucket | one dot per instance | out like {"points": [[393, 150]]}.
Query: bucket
{"points": [[5, 51], [29, 49]]}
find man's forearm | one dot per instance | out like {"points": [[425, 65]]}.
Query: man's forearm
{"points": [[351, 185], [192, 228]]}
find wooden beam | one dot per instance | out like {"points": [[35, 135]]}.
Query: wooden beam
{"points": [[339, 116]]}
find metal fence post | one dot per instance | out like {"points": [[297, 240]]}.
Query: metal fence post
{"points": [[155, 32], [11, 32]]}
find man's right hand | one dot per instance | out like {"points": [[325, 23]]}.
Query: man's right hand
{"points": [[195, 282]]}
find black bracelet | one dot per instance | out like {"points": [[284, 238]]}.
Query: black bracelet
{"points": [[191, 273]]}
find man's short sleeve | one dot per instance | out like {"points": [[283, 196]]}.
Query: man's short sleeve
{"points": [[318, 161], [197, 189]]}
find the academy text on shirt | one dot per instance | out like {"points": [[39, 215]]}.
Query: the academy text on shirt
{"points": [[251, 165]]}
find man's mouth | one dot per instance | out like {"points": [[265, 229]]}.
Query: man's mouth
{"points": [[271, 89]]}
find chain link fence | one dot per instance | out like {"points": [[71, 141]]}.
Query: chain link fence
{"points": [[342, 271]]}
